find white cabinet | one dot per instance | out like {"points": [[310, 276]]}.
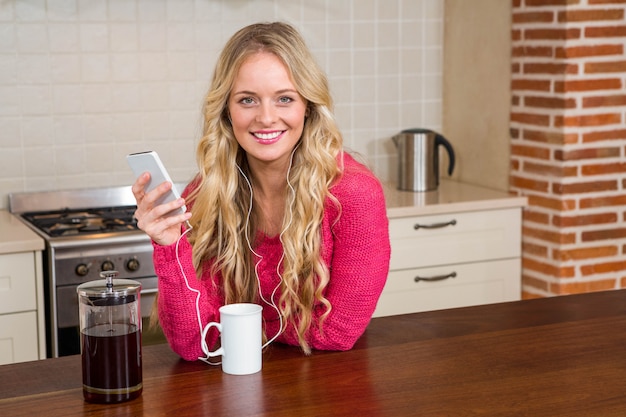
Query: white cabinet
{"points": [[454, 259], [18, 337], [22, 331], [22, 319]]}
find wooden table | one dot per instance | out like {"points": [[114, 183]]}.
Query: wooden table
{"points": [[563, 356]]}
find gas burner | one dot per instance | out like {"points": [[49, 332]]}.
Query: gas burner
{"points": [[70, 222]]}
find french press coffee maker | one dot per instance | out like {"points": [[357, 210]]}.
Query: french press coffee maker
{"points": [[110, 331]]}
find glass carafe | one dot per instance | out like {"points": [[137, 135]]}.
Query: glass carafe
{"points": [[110, 330]]}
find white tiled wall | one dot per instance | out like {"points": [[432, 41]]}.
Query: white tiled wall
{"points": [[84, 82]]}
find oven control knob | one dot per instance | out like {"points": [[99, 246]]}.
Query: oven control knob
{"points": [[132, 264], [107, 266], [82, 270]]}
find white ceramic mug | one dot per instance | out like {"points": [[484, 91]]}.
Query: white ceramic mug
{"points": [[242, 338]]}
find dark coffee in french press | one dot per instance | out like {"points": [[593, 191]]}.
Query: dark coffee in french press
{"points": [[110, 327]]}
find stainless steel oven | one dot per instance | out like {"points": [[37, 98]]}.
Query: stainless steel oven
{"points": [[86, 231]]}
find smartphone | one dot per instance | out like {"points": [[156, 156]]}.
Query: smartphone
{"points": [[149, 161]]}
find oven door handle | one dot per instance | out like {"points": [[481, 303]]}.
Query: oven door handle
{"points": [[149, 291]]}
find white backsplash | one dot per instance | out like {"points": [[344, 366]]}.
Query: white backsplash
{"points": [[84, 82]]}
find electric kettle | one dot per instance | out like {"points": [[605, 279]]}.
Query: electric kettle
{"points": [[418, 159]]}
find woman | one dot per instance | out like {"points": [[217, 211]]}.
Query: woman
{"points": [[280, 215]]}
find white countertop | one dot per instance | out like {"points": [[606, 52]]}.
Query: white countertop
{"points": [[15, 236], [450, 196]]}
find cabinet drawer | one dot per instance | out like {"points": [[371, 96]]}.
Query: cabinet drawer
{"points": [[474, 236], [17, 282], [474, 284], [18, 338]]}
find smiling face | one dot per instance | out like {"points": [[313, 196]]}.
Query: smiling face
{"points": [[266, 111]]}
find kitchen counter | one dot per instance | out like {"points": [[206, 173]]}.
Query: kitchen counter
{"points": [[15, 236], [560, 356], [450, 197]]}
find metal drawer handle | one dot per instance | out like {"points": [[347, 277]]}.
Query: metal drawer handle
{"points": [[149, 291], [434, 225], [435, 278]]}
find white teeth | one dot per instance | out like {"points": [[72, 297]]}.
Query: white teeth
{"points": [[267, 136]]}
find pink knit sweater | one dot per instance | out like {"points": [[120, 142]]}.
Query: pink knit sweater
{"points": [[355, 248]]}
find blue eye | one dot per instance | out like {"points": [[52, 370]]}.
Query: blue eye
{"points": [[285, 99], [247, 100]]}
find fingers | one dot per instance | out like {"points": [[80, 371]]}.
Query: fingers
{"points": [[159, 191], [155, 219], [146, 200], [139, 186], [162, 228]]}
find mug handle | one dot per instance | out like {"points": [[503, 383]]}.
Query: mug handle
{"points": [[205, 347]]}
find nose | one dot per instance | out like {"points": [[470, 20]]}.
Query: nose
{"points": [[266, 114]]}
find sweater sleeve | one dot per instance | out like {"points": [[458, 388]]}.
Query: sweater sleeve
{"points": [[178, 295], [357, 249]]}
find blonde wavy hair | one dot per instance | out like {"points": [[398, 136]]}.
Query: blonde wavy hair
{"points": [[221, 199]]}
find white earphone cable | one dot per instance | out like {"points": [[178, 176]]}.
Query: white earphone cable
{"points": [[203, 343], [272, 302]]}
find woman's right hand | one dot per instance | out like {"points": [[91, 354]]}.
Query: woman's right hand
{"points": [[153, 219]]}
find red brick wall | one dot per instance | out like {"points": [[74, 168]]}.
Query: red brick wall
{"points": [[568, 143]]}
